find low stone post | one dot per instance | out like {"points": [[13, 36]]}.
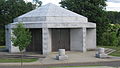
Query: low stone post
{"points": [[101, 50], [61, 52], [61, 55], [101, 53]]}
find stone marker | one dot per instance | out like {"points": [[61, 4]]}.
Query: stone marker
{"points": [[61, 52], [61, 55], [101, 53], [101, 50]]}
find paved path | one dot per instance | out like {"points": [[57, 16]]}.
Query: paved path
{"points": [[76, 57]]}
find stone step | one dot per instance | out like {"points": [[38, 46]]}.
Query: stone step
{"points": [[109, 51]]}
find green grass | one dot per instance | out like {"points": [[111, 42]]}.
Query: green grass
{"points": [[17, 60], [10, 60], [76, 66], [2, 47], [116, 53], [83, 66]]}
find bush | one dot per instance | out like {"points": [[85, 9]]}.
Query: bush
{"points": [[111, 37]]}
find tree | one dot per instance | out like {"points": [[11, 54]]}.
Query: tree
{"points": [[114, 17], [21, 38], [93, 9], [111, 36], [10, 9], [38, 3]]}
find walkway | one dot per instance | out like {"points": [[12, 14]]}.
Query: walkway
{"points": [[76, 57]]}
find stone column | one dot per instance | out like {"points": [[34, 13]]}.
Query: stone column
{"points": [[7, 37], [46, 42], [12, 49], [84, 38]]}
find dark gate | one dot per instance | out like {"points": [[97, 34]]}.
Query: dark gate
{"points": [[36, 43], [60, 39]]}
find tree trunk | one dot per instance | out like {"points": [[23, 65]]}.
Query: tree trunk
{"points": [[21, 59]]}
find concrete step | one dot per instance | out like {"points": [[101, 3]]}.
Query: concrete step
{"points": [[109, 51]]}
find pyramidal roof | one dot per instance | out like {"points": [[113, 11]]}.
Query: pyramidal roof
{"points": [[50, 10], [44, 13]]}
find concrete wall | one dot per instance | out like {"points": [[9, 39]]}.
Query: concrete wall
{"points": [[76, 40], [55, 24], [66, 19], [91, 38]]}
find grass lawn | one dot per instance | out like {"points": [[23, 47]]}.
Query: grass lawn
{"points": [[17, 60], [2, 46], [116, 53], [81, 66], [8, 60]]}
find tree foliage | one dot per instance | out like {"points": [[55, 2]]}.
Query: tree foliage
{"points": [[93, 9], [111, 37], [38, 3], [21, 38], [113, 32], [10, 9], [114, 17]]}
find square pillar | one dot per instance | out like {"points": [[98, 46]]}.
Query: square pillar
{"points": [[46, 41], [7, 37], [84, 39], [78, 39], [9, 44]]}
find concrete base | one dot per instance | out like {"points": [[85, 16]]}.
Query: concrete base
{"points": [[64, 57], [101, 56]]}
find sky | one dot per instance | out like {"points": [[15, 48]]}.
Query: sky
{"points": [[112, 5]]}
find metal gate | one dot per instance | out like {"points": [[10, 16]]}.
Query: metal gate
{"points": [[60, 39], [36, 43]]}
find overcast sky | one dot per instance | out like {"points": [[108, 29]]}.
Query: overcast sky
{"points": [[113, 5]]}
